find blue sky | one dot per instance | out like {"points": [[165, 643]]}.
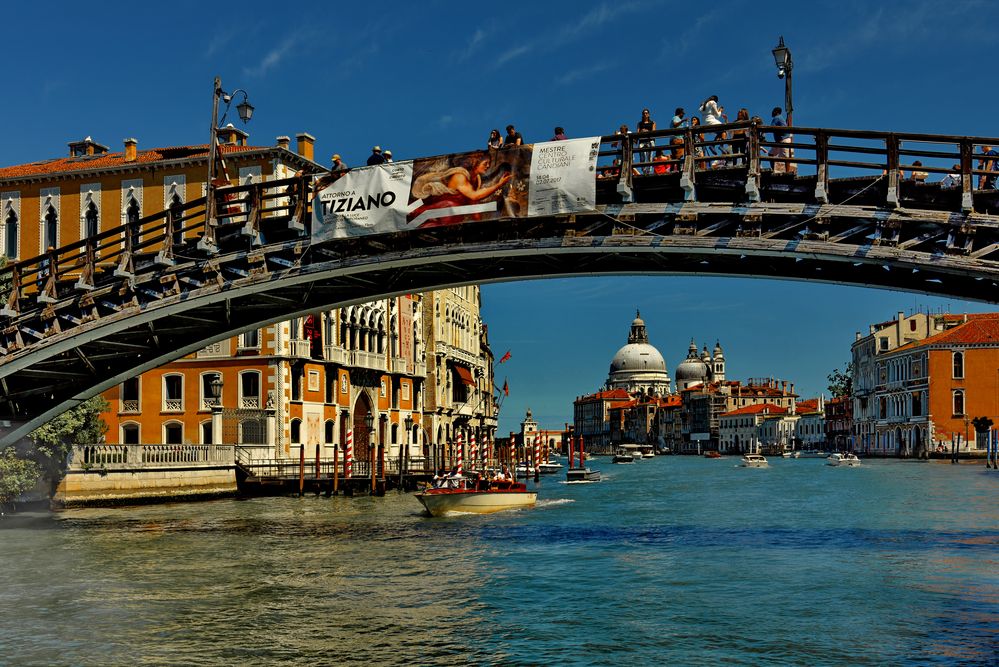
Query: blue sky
{"points": [[434, 77]]}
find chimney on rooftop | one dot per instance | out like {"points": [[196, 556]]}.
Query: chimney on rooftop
{"points": [[131, 150], [306, 144], [284, 142]]}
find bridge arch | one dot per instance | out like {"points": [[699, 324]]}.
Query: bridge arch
{"points": [[67, 310]]}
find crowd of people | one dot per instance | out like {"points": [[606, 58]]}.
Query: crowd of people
{"points": [[724, 148], [455, 480]]}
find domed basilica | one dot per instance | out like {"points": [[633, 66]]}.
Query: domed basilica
{"points": [[639, 368]]}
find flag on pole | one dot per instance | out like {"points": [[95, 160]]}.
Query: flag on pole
{"points": [[506, 388], [505, 357]]}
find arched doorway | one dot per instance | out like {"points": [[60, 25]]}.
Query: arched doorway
{"points": [[362, 435], [917, 442], [900, 448]]}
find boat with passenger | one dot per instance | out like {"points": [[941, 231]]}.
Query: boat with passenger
{"points": [[478, 496], [754, 461], [848, 459], [623, 456], [712, 454]]}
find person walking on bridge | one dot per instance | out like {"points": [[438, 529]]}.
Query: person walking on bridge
{"points": [[513, 137], [376, 156], [645, 124], [989, 162], [777, 120]]}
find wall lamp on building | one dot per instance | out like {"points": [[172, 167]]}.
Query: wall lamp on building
{"points": [[369, 421]]}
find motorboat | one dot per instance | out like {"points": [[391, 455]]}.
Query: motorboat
{"points": [[623, 456], [582, 475], [789, 454], [813, 454], [648, 453], [546, 468], [848, 459], [754, 461], [712, 454], [482, 498]]}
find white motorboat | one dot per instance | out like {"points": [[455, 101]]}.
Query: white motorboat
{"points": [[546, 468], [790, 454], [813, 454], [623, 456], [848, 459], [754, 461], [484, 499]]}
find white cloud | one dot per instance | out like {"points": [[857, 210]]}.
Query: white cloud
{"points": [[512, 54], [474, 44], [582, 73], [274, 57]]}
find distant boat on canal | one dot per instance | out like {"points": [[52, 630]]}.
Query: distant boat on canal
{"points": [[486, 498], [754, 461], [847, 459]]}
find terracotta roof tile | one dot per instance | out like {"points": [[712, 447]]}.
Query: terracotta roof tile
{"points": [[757, 409], [106, 160], [981, 328]]}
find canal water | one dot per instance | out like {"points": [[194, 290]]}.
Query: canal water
{"points": [[676, 560]]}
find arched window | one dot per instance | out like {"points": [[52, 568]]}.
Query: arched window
{"points": [[10, 240], [959, 364], [958, 402], [132, 215], [395, 434], [51, 228], [173, 392], [249, 389], [130, 400], [330, 431], [92, 226], [296, 431], [206, 432], [130, 434], [173, 433]]}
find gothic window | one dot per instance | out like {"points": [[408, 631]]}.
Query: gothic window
{"points": [[10, 242], [51, 228], [132, 215], [296, 431], [958, 402], [92, 221], [958, 364], [330, 430]]}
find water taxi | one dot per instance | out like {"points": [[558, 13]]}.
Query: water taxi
{"points": [[482, 498], [848, 459], [623, 456], [712, 454], [754, 461]]}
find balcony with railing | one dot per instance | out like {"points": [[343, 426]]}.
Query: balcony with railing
{"points": [[300, 348], [339, 355], [129, 407], [132, 457], [249, 402], [173, 405], [457, 353], [370, 360]]}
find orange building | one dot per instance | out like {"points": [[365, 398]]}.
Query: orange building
{"points": [[928, 391], [304, 382]]}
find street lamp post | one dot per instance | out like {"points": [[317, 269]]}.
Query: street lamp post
{"points": [[782, 58], [245, 111], [215, 387]]}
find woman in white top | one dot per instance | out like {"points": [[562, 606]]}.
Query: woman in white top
{"points": [[710, 111]]}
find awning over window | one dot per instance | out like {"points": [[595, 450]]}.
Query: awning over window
{"points": [[464, 375]]}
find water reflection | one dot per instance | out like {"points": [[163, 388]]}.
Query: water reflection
{"points": [[673, 560]]}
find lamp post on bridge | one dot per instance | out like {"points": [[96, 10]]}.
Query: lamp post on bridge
{"points": [[245, 110], [782, 58], [369, 421]]}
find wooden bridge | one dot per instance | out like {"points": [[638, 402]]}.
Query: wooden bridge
{"points": [[839, 206]]}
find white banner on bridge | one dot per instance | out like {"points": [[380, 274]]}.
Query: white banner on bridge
{"points": [[533, 180]]}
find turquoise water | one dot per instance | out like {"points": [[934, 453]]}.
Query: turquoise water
{"points": [[676, 560]]}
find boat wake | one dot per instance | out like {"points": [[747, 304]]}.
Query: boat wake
{"points": [[553, 502], [582, 481]]}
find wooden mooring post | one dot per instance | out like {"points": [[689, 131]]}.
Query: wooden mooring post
{"points": [[336, 475], [301, 470]]}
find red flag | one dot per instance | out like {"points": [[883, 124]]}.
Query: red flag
{"points": [[506, 388], [505, 357]]}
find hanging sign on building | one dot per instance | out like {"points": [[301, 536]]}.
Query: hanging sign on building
{"points": [[532, 180]]}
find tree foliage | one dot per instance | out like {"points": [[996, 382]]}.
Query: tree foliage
{"points": [[17, 476], [841, 382], [81, 425]]}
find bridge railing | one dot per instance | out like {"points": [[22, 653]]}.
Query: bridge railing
{"points": [[134, 457], [178, 234], [671, 164]]}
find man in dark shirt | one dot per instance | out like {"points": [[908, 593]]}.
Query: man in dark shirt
{"points": [[777, 120], [512, 138], [376, 156]]}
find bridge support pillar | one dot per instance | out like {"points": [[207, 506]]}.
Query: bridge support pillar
{"points": [[217, 423], [272, 431]]}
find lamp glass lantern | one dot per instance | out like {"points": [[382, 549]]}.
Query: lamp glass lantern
{"points": [[216, 387], [369, 421], [245, 110], [781, 57], [409, 423]]}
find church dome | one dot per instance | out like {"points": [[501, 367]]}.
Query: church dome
{"points": [[692, 369], [639, 366]]}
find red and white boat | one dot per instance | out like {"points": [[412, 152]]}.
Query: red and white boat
{"points": [[484, 498]]}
